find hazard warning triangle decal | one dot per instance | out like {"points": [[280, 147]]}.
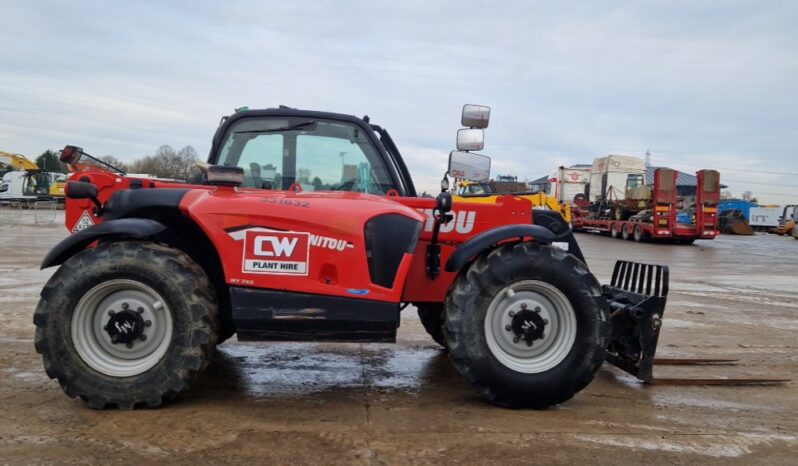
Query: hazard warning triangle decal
{"points": [[83, 222]]}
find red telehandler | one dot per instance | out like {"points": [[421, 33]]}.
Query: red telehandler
{"points": [[307, 227]]}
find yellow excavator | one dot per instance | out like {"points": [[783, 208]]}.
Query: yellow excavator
{"points": [[23, 179], [491, 191]]}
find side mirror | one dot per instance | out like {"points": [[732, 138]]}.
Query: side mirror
{"points": [[470, 139], [71, 154], [80, 190], [475, 116], [469, 166]]}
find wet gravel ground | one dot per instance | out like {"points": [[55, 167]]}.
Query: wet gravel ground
{"points": [[298, 403]]}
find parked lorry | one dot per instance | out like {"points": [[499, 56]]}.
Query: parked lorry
{"points": [[569, 184], [764, 218], [158, 273], [612, 176], [650, 213]]}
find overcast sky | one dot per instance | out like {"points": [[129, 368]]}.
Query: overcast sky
{"points": [[701, 84]]}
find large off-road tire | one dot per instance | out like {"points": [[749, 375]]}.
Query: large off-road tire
{"points": [[501, 293], [154, 301], [432, 318], [226, 330]]}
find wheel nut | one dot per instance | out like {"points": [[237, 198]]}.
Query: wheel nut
{"points": [[111, 312], [125, 306], [529, 343], [542, 335], [147, 323], [545, 321], [537, 308], [139, 309], [523, 305], [129, 345], [508, 328], [515, 340], [143, 337], [512, 314]]}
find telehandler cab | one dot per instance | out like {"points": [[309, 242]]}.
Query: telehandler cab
{"points": [[308, 227]]}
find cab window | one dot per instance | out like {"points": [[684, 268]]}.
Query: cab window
{"points": [[317, 154]]}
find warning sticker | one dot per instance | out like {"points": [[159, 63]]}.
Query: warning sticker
{"points": [[276, 252], [85, 221]]}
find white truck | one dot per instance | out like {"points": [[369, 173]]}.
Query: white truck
{"points": [[566, 183], [612, 175], [764, 218]]}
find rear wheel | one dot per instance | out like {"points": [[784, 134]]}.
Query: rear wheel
{"points": [[626, 232], [527, 325], [639, 234], [126, 324], [432, 317], [614, 233]]}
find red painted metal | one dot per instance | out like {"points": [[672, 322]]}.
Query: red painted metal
{"points": [[329, 254]]}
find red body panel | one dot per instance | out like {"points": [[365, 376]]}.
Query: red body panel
{"points": [[314, 242]]}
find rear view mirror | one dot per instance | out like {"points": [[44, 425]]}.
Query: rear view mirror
{"points": [[475, 116], [469, 166], [71, 154], [470, 139]]}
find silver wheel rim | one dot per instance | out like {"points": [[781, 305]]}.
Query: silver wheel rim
{"points": [[559, 332], [93, 343], [614, 230]]}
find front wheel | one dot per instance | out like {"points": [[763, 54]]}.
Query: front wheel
{"points": [[126, 324], [527, 325]]}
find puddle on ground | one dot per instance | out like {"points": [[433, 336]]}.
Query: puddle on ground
{"points": [[282, 369]]}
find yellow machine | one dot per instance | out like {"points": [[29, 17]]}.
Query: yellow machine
{"points": [[33, 178], [787, 221], [489, 192]]}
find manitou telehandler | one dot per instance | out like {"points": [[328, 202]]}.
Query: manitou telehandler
{"points": [[308, 227]]}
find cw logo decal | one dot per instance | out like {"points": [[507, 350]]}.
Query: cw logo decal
{"points": [[278, 246], [276, 252]]}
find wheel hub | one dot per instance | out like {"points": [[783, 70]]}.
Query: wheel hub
{"points": [[125, 327], [528, 325]]}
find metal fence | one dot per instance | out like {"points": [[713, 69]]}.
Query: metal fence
{"points": [[44, 212], [10, 214]]}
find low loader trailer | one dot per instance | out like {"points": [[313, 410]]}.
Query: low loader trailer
{"points": [[658, 221]]}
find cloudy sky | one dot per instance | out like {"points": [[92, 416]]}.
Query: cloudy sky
{"points": [[700, 84]]}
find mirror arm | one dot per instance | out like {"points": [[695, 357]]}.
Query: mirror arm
{"points": [[441, 216]]}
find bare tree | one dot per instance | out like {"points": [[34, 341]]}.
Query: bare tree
{"points": [[167, 163]]}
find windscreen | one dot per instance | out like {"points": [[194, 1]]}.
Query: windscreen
{"points": [[317, 154]]}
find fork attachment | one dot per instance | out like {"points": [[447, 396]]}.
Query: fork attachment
{"points": [[636, 297]]}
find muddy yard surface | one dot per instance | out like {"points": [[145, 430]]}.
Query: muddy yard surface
{"points": [[303, 403]]}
